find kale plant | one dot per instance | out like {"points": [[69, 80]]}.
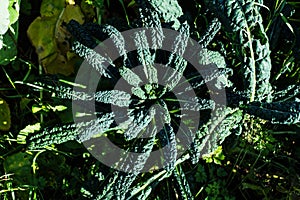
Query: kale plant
{"points": [[150, 114]]}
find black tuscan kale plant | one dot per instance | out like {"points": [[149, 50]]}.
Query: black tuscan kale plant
{"points": [[152, 113]]}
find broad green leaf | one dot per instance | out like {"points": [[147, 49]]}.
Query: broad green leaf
{"points": [[8, 52], [20, 165], [8, 30], [13, 10]]}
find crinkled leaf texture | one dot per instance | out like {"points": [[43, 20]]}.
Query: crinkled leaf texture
{"points": [[243, 24], [276, 112]]}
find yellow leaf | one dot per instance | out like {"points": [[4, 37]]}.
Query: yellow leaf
{"points": [[41, 35], [61, 65], [50, 39], [72, 12], [51, 8]]}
